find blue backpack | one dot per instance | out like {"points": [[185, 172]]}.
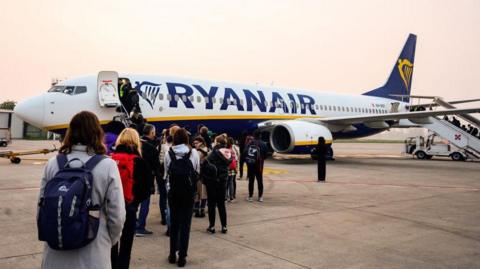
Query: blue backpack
{"points": [[64, 219]]}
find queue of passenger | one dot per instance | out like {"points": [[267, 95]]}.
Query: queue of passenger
{"points": [[468, 128], [191, 174]]}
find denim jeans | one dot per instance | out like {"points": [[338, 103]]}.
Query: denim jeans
{"points": [[231, 187], [162, 200], [142, 214]]}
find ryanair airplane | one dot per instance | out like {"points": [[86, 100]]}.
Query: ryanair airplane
{"points": [[291, 120]]}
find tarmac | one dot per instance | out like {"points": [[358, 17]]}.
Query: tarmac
{"points": [[377, 209]]}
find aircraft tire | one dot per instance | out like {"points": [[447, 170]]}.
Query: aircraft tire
{"points": [[3, 144], [15, 160]]}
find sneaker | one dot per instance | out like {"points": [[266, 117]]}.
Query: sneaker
{"points": [[172, 258], [260, 199], [202, 213], [182, 261], [142, 233], [167, 233], [224, 230], [197, 214], [250, 199], [211, 230]]}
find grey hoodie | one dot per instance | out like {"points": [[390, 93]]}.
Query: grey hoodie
{"points": [[180, 151]]}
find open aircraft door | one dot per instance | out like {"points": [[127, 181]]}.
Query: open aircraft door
{"points": [[107, 87]]}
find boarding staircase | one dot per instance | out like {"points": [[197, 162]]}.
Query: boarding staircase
{"points": [[455, 135]]}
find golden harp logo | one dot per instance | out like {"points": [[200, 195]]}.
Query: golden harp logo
{"points": [[405, 67]]}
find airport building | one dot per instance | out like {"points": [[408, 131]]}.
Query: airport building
{"points": [[15, 128]]}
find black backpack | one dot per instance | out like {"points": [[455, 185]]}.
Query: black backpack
{"points": [[182, 178], [208, 172], [252, 153]]}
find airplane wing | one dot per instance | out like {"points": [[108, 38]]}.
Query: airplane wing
{"points": [[393, 116], [450, 102]]}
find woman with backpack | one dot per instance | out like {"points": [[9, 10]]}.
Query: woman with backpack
{"points": [[137, 182], [182, 165], [216, 189], [82, 146]]}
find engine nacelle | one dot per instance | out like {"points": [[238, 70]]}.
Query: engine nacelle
{"points": [[290, 135]]}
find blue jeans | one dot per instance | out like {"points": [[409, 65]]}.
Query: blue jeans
{"points": [[142, 215], [231, 187], [162, 200]]}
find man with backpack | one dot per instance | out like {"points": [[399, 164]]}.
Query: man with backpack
{"points": [[255, 154], [183, 166], [81, 210]]}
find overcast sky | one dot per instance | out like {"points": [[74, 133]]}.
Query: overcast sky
{"points": [[337, 46]]}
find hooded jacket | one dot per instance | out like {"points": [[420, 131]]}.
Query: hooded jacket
{"points": [[180, 151], [221, 158]]}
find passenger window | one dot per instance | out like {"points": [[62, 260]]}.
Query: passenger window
{"points": [[316, 106], [214, 100], [160, 96], [177, 97], [80, 89], [334, 108], [169, 97], [190, 98], [184, 98], [199, 99], [220, 100], [241, 102]]}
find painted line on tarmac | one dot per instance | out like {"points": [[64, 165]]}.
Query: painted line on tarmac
{"points": [[21, 255], [263, 252], [379, 184], [19, 189]]}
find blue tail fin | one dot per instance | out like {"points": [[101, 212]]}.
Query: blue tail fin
{"points": [[400, 80]]}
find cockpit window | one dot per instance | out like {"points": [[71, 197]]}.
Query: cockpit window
{"points": [[70, 90], [80, 89], [57, 89]]}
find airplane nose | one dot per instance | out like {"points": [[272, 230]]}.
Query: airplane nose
{"points": [[31, 110]]}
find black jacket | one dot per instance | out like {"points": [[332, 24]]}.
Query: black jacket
{"points": [[216, 158], [142, 175], [151, 155]]}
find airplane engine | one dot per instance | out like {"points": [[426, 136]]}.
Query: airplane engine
{"points": [[296, 135]]}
